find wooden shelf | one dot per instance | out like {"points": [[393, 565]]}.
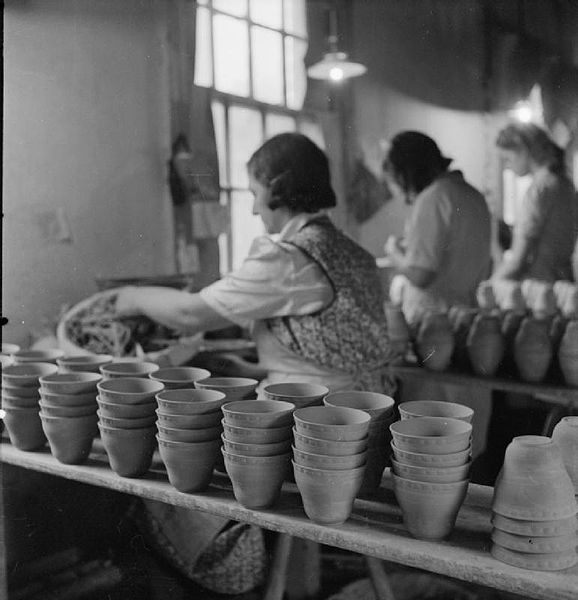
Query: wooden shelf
{"points": [[556, 393], [374, 529]]}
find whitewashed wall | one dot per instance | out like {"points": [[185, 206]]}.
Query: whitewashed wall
{"points": [[85, 147]]}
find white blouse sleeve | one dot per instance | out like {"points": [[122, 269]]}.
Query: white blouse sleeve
{"points": [[275, 280]]}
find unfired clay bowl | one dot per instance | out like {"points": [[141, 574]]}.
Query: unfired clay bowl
{"points": [[129, 390], [234, 388], [255, 435], [190, 401], [189, 466], [431, 474], [120, 423], [332, 423], [324, 461], [130, 451], [433, 408], [83, 362], [70, 383], [429, 509], [26, 375], [52, 410], [24, 428], [431, 435], [212, 419], [431, 460], [16, 391], [328, 447], [299, 394], [35, 356], [126, 411], [374, 404], [175, 378], [258, 413], [205, 434], [70, 438], [10, 401], [256, 480], [328, 495], [241, 449], [84, 399], [128, 368]]}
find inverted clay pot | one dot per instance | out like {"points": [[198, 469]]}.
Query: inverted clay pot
{"points": [[533, 349], [435, 342], [485, 345], [568, 353]]}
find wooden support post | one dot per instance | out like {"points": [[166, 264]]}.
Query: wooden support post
{"points": [[276, 581], [379, 579], [304, 573]]}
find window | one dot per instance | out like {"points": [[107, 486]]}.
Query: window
{"points": [[250, 53]]}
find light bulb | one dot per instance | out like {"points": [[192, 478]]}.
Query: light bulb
{"points": [[522, 112], [336, 74]]}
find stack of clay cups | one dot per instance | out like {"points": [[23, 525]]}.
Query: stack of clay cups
{"points": [[126, 420], [430, 466], [329, 457], [189, 436], [257, 449], [534, 507], [20, 403], [68, 412], [127, 368], [381, 410], [87, 363]]}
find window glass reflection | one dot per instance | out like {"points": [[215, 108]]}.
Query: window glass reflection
{"points": [[295, 17], [245, 136], [267, 12], [295, 74], [267, 57], [233, 7], [275, 123], [221, 139], [203, 58], [313, 131]]}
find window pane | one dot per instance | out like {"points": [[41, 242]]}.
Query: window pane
{"points": [[295, 19], [231, 55], [275, 124], [267, 65], [245, 136], [221, 140], [223, 240], [267, 12], [233, 7], [203, 2], [203, 59], [245, 226], [295, 73], [313, 131]]}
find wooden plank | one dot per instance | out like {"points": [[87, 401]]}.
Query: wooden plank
{"points": [[374, 529], [558, 394]]}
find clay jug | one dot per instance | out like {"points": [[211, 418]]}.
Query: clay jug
{"points": [[397, 329], [435, 341], [511, 321], [485, 345], [565, 434], [568, 353], [461, 319], [533, 349]]}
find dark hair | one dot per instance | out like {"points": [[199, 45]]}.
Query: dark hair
{"points": [[540, 147], [296, 171], [414, 160]]}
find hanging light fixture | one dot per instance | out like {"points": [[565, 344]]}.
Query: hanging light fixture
{"points": [[335, 64]]}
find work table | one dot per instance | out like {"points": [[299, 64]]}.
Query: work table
{"points": [[374, 529]]}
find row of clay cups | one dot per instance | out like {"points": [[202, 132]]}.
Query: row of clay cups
{"points": [[427, 452], [534, 494], [381, 409], [257, 449], [189, 435], [330, 450]]}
